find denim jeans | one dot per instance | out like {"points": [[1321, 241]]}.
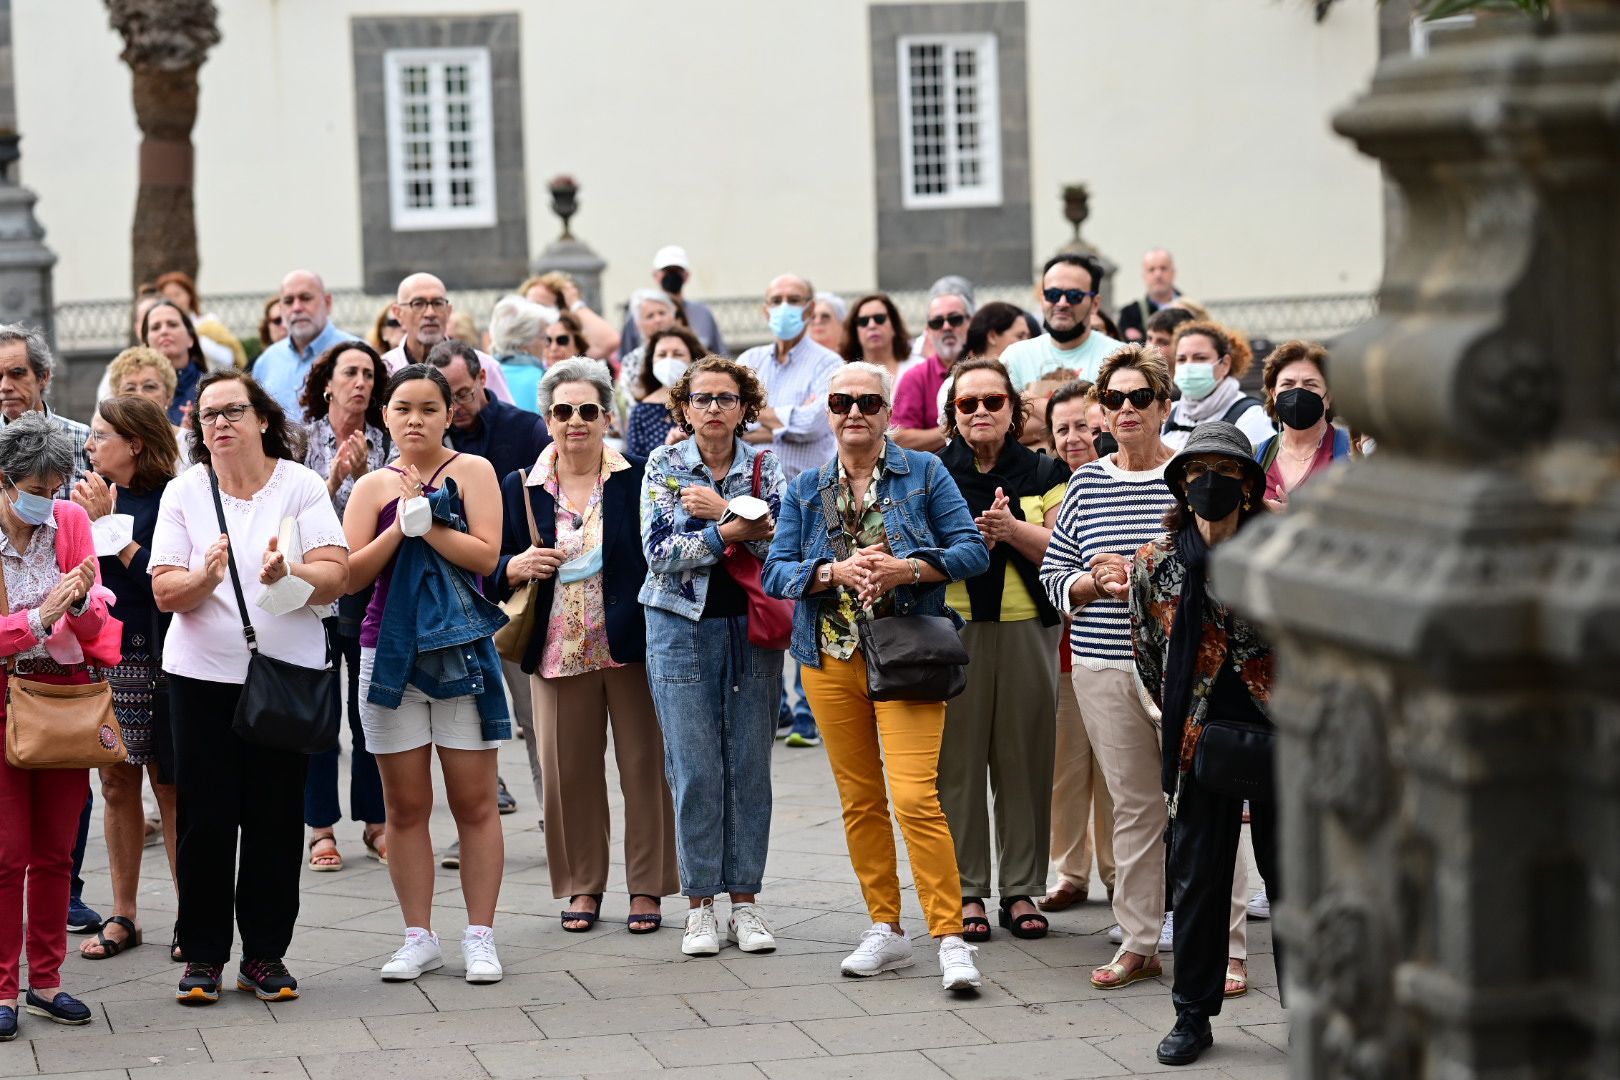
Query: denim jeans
{"points": [[798, 712], [321, 807], [717, 698]]}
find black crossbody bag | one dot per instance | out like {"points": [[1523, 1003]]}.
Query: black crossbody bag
{"points": [[283, 706]]}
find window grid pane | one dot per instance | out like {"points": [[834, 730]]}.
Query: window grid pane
{"points": [[440, 140], [949, 119]]}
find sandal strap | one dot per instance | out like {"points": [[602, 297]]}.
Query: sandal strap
{"points": [[120, 920]]}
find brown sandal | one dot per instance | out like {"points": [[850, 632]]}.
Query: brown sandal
{"points": [[376, 838], [324, 862]]}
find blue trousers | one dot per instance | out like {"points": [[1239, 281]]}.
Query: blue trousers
{"points": [[717, 698], [321, 807]]}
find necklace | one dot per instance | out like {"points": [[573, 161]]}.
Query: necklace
{"points": [[1307, 458]]}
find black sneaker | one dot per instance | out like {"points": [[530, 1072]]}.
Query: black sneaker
{"points": [[268, 980], [200, 984], [63, 1008], [504, 803]]}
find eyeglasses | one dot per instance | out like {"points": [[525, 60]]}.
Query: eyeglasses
{"points": [[967, 406], [869, 404], [879, 319], [390, 324], [705, 402], [1073, 296], [103, 436], [954, 319], [276, 321], [437, 303], [561, 340], [1114, 400], [146, 388], [231, 413], [1226, 467], [464, 395], [562, 412]]}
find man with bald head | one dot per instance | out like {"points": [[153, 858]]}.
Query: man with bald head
{"points": [[306, 312], [1159, 275], [795, 371], [423, 309]]}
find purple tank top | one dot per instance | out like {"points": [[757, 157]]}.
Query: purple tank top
{"points": [[371, 625]]}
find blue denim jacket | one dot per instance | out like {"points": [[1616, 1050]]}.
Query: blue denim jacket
{"points": [[926, 518], [437, 630], [682, 550]]}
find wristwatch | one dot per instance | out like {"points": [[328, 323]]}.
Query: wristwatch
{"points": [[824, 573]]}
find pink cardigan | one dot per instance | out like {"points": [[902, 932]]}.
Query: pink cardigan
{"points": [[99, 634]]}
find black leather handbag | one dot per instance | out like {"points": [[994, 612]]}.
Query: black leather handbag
{"points": [[1236, 760], [283, 706]]}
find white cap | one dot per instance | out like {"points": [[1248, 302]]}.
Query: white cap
{"points": [[671, 255]]}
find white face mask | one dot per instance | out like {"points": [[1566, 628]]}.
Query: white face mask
{"points": [[668, 369]]}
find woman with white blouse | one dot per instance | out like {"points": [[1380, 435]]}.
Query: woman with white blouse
{"points": [[226, 786]]}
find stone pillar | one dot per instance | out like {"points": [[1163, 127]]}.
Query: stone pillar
{"points": [[25, 261], [1447, 611], [568, 253], [1076, 208]]}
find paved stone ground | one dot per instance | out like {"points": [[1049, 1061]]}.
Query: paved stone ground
{"points": [[606, 1004]]}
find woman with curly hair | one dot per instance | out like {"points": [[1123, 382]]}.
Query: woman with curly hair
{"points": [[1209, 361]]}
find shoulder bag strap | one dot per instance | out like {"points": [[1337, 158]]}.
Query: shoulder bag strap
{"points": [[835, 522], [759, 467], [230, 560], [528, 507]]}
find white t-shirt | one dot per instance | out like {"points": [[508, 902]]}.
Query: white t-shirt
{"points": [[1032, 360], [206, 642]]}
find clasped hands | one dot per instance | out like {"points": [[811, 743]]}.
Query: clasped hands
{"points": [[1112, 575], [998, 522], [70, 589], [701, 501], [871, 572]]}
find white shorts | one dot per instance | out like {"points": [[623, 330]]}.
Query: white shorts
{"points": [[419, 720]]}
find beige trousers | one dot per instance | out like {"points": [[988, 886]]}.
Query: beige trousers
{"points": [[571, 719], [1082, 812]]}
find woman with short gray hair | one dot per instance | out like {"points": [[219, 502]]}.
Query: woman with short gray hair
{"points": [[587, 655], [517, 337], [48, 562]]}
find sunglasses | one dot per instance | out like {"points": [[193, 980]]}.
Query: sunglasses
{"points": [[562, 412], [967, 406], [561, 340], [879, 319], [703, 402], [1114, 400], [939, 322], [1232, 470], [391, 324], [1073, 296], [869, 404]]}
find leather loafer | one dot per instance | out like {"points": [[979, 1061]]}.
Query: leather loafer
{"points": [[1186, 1041], [8, 1023], [63, 1008]]}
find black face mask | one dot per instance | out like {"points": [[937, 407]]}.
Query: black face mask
{"points": [[1065, 336], [671, 280], [1300, 408], [1105, 444], [1213, 497]]}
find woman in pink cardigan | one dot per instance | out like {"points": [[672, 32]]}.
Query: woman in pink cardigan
{"points": [[55, 618]]}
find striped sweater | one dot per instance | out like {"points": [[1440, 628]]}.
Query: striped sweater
{"points": [[1105, 509]]}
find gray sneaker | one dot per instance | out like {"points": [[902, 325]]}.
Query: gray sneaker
{"points": [[452, 857]]}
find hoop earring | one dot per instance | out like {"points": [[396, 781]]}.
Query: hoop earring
{"points": [[327, 395]]}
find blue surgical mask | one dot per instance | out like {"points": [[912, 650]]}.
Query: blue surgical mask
{"points": [[787, 322], [586, 565], [1197, 381], [31, 508]]}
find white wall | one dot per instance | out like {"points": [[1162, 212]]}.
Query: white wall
{"points": [[706, 129]]}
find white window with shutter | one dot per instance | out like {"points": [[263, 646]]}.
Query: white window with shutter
{"points": [[441, 152], [950, 121]]}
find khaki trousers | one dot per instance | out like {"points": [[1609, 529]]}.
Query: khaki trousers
{"points": [[865, 741], [1082, 812], [571, 719], [1001, 728], [1125, 738]]}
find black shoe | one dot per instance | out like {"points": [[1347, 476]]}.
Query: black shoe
{"points": [[452, 857], [200, 985], [269, 980], [504, 803], [81, 917], [63, 1008], [1188, 1039], [8, 1023]]}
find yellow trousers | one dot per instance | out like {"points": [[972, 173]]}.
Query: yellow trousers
{"points": [[865, 741]]}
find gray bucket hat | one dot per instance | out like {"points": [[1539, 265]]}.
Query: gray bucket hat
{"points": [[1214, 437]]}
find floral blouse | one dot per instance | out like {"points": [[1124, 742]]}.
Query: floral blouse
{"points": [[862, 527], [30, 576], [576, 635], [323, 448]]}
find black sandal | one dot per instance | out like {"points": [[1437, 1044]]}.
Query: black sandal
{"points": [[174, 947], [975, 927], [656, 918], [586, 917], [1028, 926], [109, 947]]}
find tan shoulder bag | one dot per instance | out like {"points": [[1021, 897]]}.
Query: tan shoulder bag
{"points": [[522, 609]]}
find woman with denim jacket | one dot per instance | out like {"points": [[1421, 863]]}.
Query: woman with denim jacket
{"points": [[587, 656], [387, 506], [718, 760], [907, 531]]}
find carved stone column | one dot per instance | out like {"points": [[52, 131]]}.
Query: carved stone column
{"points": [[568, 253], [25, 261], [1448, 610]]}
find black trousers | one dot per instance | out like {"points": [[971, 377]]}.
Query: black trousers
{"points": [[225, 788], [1204, 838]]}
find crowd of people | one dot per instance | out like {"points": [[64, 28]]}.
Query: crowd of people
{"points": [[972, 564]]}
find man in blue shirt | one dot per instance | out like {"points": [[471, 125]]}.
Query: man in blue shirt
{"points": [[306, 311]]}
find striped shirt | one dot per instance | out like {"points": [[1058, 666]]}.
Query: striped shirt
{"points": [[1106, 509], [797, 390]]}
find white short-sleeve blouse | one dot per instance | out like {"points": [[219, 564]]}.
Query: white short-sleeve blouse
{"points": [[206, 642]]}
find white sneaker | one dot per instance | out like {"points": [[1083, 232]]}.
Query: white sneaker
{"points": [[748, 928], [1259, 906], [478, 955], [956, 967], [420, 953], [1116, 934], [881, 949], [702, 937], [1167, 933]]}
